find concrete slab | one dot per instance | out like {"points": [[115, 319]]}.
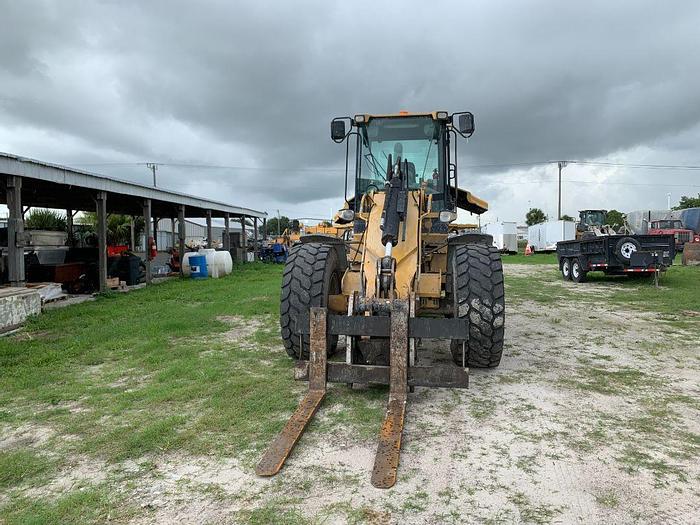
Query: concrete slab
{"points": [[16, 305]]}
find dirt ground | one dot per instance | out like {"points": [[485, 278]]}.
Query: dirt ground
{"points": [[592, 417]]}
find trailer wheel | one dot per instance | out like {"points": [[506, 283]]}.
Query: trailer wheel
{"points": [[479, 299], [625, 247], [311, 274], [566, 269], [578, 274]]}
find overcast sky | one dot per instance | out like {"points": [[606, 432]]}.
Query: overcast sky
{"points": [[255, 85]]}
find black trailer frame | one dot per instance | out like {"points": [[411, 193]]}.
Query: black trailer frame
{"points": [[612, 254]]}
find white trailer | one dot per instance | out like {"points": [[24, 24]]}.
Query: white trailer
{"points": [[544, 237], [505, 235]]}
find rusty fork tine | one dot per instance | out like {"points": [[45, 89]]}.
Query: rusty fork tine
{"points": [[386, 461], [282, 446]]}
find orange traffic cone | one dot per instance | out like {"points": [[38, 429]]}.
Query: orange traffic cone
{"points": [[528, 250]]}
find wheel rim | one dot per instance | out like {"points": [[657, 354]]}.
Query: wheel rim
{"points": [[565, 268], [575, 270], [627, 249]]}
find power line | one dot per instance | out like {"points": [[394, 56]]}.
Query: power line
{"points": [[543, 181], [468, 166], [637, 166]]}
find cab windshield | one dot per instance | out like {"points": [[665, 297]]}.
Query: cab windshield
{"points": [[669, 225], [594, 218], [415, 140]]}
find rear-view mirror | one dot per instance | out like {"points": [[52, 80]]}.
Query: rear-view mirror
{"points": [[465, 123], [337, 129]]}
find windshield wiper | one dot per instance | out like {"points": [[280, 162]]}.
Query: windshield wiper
{"points": [[422, 175], [375, 165]]}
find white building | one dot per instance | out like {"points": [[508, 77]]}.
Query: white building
{"points": [[195, 232]]}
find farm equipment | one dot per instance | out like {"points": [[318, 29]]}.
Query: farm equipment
{"points": [[399, 279], [593, 223]]}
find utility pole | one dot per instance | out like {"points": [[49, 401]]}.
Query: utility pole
{"points": [[561, 164], [153, 167], [278, 223]]}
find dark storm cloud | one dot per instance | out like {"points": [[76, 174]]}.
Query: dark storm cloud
{"points": [[256, 83]]}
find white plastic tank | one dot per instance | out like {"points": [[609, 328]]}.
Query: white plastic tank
{"points": [[186, 263], [210, 253], [219, 263], [223, 262]]}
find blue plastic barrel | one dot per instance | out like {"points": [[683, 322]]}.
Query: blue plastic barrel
{"points": [[198, 267]]}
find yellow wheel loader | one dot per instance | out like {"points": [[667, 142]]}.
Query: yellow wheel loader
{"points": [[398, 277]]}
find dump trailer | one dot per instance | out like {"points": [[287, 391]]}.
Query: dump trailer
{"points": [[615, 255], [397, 278]]}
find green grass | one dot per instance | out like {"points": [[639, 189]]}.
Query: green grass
{"points": [[137, 366], [93, 505], [679, 290], [129, 376], [132, 376], [538, 258], [21, 466], [676, 300]]}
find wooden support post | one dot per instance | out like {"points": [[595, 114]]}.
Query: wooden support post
{"points": [[265, 229], [227, 232], [210, 244], [181, 233], [69, 227], [244, 240], [147, 233], [155, 231], [15, 232], [173, 233], [256, 247], [101, 216], [132, 235]]}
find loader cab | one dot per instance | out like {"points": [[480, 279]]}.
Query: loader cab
{"points": [[422, 141], [589, 219]]}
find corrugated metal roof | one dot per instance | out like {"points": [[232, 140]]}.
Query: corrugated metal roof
{"points": [[63, 175]]}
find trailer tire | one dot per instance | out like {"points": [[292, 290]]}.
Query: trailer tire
{"points": [[478, 298], [578, 274], [566, 268], [625, 247], [311, 274]]}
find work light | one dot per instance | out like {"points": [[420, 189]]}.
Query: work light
{"points": [[448, 216]]}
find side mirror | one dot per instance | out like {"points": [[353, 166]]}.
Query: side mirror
{"points": [[337, 130], [465, 124]]}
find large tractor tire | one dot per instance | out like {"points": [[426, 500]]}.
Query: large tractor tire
{"points": [[479, 299], [311, 274]]}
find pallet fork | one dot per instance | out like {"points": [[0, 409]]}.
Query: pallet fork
{"points": [[400, 375]]}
